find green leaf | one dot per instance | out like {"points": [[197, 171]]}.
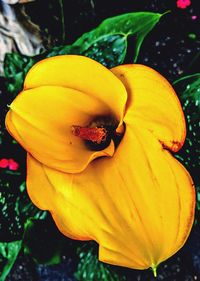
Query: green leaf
{"points": [[108, 42], [43, 241], [63, 50], [91, 269], [188, 89], [109, 51], [8, 255], [15, 68]]}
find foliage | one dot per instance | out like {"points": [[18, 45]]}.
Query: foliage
{"points": [[15, 209], [50, 249], [8, 255], [106, 44], [188, 88], [90, 269]]}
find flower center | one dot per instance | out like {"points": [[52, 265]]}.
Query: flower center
{"points": [[95, 134], [98, 134]]}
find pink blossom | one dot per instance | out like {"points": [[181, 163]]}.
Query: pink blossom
{"points": [[13, 165], [182, 4], [194, 17], [4, 163]]}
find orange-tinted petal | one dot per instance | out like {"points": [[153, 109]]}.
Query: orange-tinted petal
{"points": [[153, 104], [41, 120], [138, 205], [82, 74]]}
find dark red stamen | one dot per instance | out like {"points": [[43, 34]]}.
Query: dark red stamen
{"points": [[95, 134]]}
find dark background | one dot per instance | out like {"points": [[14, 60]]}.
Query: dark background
{"points": [[172, 48]]}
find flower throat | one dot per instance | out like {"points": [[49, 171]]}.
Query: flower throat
{"points": [[98, 134]]}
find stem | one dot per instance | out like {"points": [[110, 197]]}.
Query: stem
{"points": [[167, 12], [62, 20], [186, 77], [154, 269]]}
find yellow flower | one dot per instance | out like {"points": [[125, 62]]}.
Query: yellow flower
{"points": [[99, 159]]}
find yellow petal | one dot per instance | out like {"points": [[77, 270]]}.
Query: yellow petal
{"points": [[82, 74], [41, 121], [153, 104], [138, 205]]}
